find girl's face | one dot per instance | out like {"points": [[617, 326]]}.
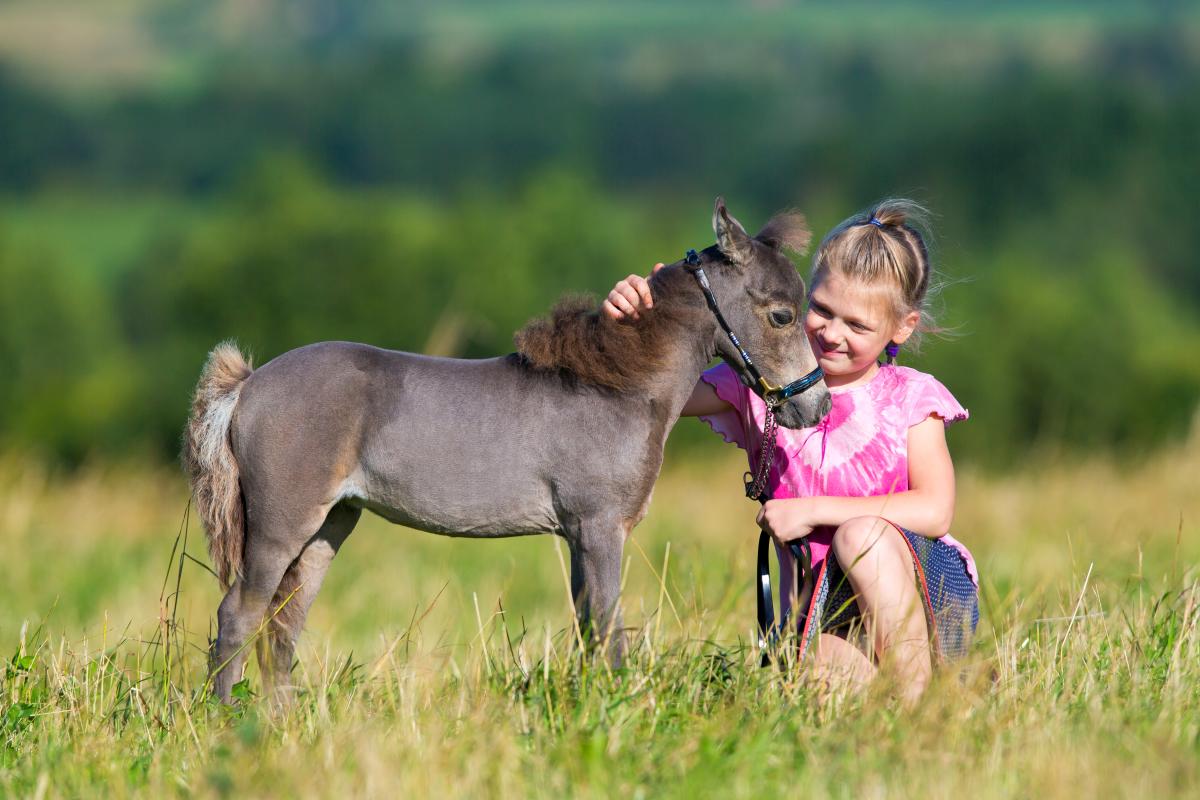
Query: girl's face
{"points": [[848, 324]]}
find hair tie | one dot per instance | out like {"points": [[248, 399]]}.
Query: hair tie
{"points": [[874, 220], [892, 350]]}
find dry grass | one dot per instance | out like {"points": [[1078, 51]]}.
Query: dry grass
{"points": [[1085, 678]]}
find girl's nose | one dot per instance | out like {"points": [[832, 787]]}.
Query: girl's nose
{"points": [[829, 333]]}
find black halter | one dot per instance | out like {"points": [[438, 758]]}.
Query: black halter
{"points": [[773, 396]]}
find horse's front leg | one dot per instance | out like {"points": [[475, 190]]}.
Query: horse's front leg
{"points": [[596, 547]]}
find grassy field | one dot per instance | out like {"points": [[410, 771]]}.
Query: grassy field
{"points": [[438, 666]]}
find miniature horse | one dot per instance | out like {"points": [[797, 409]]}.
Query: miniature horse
{"points": [[564, 436]]}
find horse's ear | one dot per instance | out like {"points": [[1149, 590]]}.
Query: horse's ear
{"points": [[787, 230], [732, 239]]}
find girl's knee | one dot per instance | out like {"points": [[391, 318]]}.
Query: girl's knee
{"points": [[856, 538]]}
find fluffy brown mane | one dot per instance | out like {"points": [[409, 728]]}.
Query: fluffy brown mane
{"points": [[577, 338]]}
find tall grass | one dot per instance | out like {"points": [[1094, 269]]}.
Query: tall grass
{"points": [[438, 666]]}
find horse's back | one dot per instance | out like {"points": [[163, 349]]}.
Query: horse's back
{"points": [[330, 396], [350, 374]]}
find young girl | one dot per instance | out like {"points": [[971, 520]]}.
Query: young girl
{"points": [[873, 482]]}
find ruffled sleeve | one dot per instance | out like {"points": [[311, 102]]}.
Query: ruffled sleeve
{"points": [[739, 424], [927, 396]]}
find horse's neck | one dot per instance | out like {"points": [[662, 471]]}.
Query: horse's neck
{"points": [[691, 347]]}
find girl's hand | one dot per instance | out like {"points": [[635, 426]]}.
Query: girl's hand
{"points": [[786, 519], [629, 297]]}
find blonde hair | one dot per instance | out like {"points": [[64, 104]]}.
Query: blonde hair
{"points": [[884, 244]]}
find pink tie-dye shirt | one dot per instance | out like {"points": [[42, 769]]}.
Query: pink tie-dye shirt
{"points": [[859, 450]]}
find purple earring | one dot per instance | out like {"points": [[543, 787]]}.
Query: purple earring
{"points": [[892, 351]]}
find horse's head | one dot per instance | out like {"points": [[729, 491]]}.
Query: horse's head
{"points": [[762, 296]]}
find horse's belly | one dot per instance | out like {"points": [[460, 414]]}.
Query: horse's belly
{"points": [[462, 513]]}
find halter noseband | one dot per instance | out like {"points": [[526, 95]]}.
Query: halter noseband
{"points": [[773, 396]]}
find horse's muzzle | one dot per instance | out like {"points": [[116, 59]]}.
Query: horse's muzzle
{"points": [[806, 410]]}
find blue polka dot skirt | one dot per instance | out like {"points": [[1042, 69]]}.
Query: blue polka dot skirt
{"points": [[949, 596]]}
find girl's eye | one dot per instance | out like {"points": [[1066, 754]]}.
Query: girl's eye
{"points": [[858, 327], [782, 317]]}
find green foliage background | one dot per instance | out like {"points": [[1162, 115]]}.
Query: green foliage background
{"points": [[427, 177]]}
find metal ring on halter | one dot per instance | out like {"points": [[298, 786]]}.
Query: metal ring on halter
{"points": [[778, 395]]}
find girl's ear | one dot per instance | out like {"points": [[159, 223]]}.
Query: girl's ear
{"points": [[908, 325]]}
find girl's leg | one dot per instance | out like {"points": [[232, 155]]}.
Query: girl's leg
{"points": [[840, 666], [877, 562]]}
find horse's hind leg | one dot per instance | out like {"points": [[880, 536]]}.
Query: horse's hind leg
{"points": [[295, 595], [270, 547], [596, 547]]}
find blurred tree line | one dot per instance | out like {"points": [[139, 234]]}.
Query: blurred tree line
{"points": [[431, 193]]}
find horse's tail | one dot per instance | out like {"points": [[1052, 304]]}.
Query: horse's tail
{"points": [[208, 458]]}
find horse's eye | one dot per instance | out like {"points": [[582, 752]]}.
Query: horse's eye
{"points": [[782, 317]]}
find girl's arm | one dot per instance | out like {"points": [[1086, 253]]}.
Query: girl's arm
{"points": [[926, 508], [704, 400]]}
